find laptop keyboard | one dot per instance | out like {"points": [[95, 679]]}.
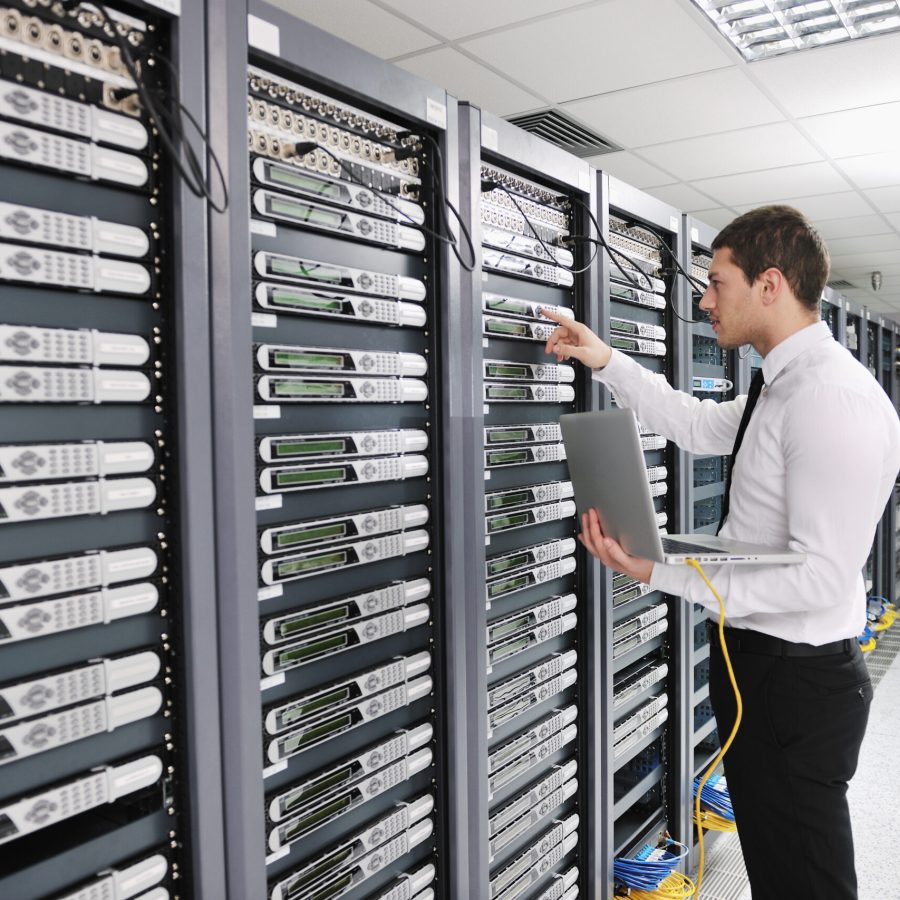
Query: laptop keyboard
{"points": [[672, 546]]}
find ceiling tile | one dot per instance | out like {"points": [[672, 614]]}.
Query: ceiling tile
{"points": [[468, 17], [470, 81], [715, 218], [681, 196], [833, 78], [629, 168], [676, 109], [875, 259], [591, 53], [859, 272], [887, 199], [870, 129], [894, 219], [822, 206], [842, 246], [747, 150], [765, 187], [872, 170], [361, 23], [851, 227]]}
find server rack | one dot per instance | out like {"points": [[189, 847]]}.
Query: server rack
{"points": [[108, 677], [534, 720], [646, 785], [885, 344], [334, 318]]}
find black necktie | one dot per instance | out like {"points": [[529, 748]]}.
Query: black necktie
{"points": [[756, 386]]}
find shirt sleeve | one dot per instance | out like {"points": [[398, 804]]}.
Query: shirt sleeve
{"points": [[835, 447], [698, 426]]}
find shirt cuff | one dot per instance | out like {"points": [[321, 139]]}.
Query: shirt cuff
{"points": [[670, 578], [614, 369]]}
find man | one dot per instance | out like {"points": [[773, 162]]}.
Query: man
{"points": [[819, 453]]}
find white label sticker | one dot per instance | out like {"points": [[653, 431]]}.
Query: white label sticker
{"points": [[695, 234], [487, 474], [487, 409], [867, 314], [258, 226], [484, 342], [584, 181], [270, 592], [489, 138], [274, 502], [435, 113], [673, 223], [484, 276], [266, 412], [263, 35], [264, 320], [169, 6]]}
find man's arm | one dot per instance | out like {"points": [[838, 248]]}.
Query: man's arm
{"points": [[696, 426]]}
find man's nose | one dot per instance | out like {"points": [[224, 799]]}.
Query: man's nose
{"points": [[706, 301]]}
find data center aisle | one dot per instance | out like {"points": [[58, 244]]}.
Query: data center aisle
{"points": [[874, 798]]}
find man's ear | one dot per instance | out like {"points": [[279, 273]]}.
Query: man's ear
{"points": [[772, 283]]}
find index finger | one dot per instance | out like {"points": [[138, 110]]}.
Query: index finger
{"points": [[555, 336]]}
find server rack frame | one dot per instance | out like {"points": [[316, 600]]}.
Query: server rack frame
{"points": [[615, 193], [488, 138], [196, 680], [278, 38]]}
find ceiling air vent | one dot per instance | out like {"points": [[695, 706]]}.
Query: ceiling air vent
{"points": [[841, 285], [554, 127]]}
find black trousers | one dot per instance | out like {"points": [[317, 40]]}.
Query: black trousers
{"points": [[797, 748]]}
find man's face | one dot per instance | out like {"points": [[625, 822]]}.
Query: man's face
{"points": [[728, 300]]}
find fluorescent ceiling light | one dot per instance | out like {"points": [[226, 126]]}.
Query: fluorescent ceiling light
{"points": [[764, 28]]}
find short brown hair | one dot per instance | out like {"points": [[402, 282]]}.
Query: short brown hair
{"points": [[778, 237]]}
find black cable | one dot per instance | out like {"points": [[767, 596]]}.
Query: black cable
{"points": [[488, 184], [173, 138], [611, 252], [697, 285], [438, 180]]}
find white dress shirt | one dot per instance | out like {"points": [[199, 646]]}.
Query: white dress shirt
{"points": [[814, 472]]}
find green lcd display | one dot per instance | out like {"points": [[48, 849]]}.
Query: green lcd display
{"points": [[304, 213], [496, 370], [335, 888], [310, 736], [504, 393], [507, 457], [292, 714], [315, 389], [514, 647], [295, 536], [297, 655], [281, 265], [287, 449], [494, 326], [503, 501], [319, 870], [508, 522], [301, 623], [316, 788], [504, 304], [301, 182], [508, 436], [508, 585], [622, 325], [289, 568], [316, 818], [619, 290], [314, 476], [622, 343], [498, 566], [291, 359], [507, 628], [313, 302]]}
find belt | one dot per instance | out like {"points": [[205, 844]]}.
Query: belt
{"points": [[743, 640]]}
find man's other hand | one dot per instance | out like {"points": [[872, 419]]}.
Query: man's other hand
{"points": [[610, 552]]}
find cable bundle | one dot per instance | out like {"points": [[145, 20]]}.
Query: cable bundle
{"points": [[649, 870], [675, 887], [716, 813], [881, 614], [867, 640]]}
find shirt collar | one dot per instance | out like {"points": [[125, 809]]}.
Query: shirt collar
{"points": [[792, 347]]}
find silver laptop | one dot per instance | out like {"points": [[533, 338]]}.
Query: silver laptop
{"points": [[609, 474]]}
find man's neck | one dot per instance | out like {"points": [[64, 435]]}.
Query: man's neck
{"points": [[764, 344]]}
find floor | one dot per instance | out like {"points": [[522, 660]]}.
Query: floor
{"points": [[874, 796]]}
